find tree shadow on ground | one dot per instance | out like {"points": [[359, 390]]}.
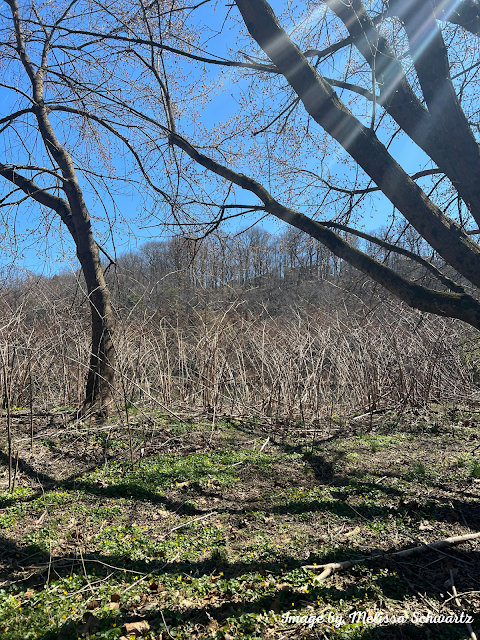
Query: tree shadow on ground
{"points": [[281, 600], [74, 482], [442, 509]]}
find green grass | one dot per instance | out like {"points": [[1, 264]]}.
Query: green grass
{"points": [[475, 468], [155, 476]]}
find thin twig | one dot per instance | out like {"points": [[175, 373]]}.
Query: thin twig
{"points": [[185, 524], [459, 605]]}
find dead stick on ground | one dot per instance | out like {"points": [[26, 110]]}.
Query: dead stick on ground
{"points": [[459, 605], [331, 567], [264, 444], [465, 593], [84, 569], [185, 524]]}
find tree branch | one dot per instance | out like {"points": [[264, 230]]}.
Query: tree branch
{"points": [[40, 195], [13, 116], [450, 284], [452, 131], [117, 134], [324, 106], [401, 103], [466, 14], [165, 47], [455, 305], [356, 192], [22, 52]]}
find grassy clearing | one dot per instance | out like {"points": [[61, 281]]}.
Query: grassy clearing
{"points": [[207, 532]]}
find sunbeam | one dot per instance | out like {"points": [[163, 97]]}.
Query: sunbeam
{"points": [[425, 27]]}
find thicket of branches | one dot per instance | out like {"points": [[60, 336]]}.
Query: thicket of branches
{"points": [[295, 344]]}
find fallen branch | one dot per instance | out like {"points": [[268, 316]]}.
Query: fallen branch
{"points": [[375, 412], [331, 567], [264, 444], [186, 524]]}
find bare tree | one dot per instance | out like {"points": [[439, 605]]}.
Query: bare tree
{"points": [[33, 61]]}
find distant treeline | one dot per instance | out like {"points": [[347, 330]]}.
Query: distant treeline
{"points": [[271, 272], [220, 259]]}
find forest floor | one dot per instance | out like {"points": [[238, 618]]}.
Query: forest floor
{"points": [[184, 528]]}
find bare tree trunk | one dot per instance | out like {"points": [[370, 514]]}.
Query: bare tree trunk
{"points": [[98, 392], [74, 214], [101, 370]]}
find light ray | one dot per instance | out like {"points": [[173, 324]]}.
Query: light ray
{"points": [[426, 28]]}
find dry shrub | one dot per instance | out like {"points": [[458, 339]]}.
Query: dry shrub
{"points": [[303, 365]]}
